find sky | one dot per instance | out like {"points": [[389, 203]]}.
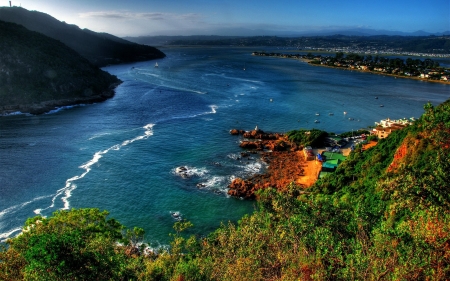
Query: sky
{"points": [[243, 17]]}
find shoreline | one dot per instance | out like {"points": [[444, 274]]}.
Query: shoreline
{"points": [[286, 164], [379, 73], [50, 105], [308, 61]]}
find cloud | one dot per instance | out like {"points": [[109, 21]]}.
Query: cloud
{"points": [[191, 17]]}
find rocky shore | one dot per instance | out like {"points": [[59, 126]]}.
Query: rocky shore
{"points": [[286, 162], [47, 106]]}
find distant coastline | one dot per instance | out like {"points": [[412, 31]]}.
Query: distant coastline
{"points": [[309, 61], [379, 73]]}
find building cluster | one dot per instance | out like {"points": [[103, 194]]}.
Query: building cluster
{"points": [[426, 69], [386, 126]]}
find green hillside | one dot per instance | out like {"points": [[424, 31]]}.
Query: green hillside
{"points": [[383, 215], [38, 73], [100, 49]]}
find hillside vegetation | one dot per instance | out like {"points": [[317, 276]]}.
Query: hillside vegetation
{"points": [[38, 73], [383, 215], [100, 49]]}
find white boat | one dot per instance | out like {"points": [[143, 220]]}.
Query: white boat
{"points": [[156, 64], [317, 114], [316, 121]]}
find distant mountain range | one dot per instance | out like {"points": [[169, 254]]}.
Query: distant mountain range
{"points": [[248, 32], [100, 49]]}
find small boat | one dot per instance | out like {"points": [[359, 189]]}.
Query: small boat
{"points": [[271, 100], [317, 114], [156, 64], [345, 112], [316, 121], [376, 98], [330, 113], [381, 105]]}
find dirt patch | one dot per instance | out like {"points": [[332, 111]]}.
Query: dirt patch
{"points": [[311, 173]]}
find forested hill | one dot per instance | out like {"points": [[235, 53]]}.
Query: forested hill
{"points": [[383, 215], [100, 49], [38, 73]]}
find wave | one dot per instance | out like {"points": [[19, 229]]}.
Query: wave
{"points": [[58, 109], [213, 111], [66, 191], [188, 172], [234, 78], [6, 235], [171, 86], [13, 113], [17, 207], [98, 135]]}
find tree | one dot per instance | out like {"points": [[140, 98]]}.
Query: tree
{"points": [[80, 244], [339, 55]]}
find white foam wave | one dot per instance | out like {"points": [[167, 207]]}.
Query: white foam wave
{"points": [[6, 235], [215, 181], [234, 156], [253, 167], [170, 85], [17, 207], [190, 171], [12, 113], [213, 109], [70, 185], [150, 74], [98, 135], [235, 78], [58, 109]]}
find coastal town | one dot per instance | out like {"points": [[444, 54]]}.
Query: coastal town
{"points": [[425, 70], [292, 162]]}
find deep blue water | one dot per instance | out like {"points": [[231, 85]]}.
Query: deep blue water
{"points": [[121, 155]]}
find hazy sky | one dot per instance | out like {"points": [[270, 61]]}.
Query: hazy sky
{"points": [[228, 17]]}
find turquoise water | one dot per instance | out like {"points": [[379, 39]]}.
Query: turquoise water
{"points": [[121, 155]]}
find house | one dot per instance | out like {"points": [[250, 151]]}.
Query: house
{"points": [[383, 132], [309, 154], [330, 161]]}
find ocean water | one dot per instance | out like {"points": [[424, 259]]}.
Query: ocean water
{"points": [[121, 155]]}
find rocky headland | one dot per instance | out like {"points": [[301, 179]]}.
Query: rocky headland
{"points": [[39, 74], [285, 159]]}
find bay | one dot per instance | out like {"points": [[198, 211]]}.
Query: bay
{"points": [[121, 155]]}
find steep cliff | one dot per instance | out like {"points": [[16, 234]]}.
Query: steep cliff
{"points": [[38, 73]]}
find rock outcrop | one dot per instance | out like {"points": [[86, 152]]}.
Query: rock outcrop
{"points": [[285, 161]]}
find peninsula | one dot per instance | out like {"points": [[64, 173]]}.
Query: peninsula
{"points": [[425, 70]]}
